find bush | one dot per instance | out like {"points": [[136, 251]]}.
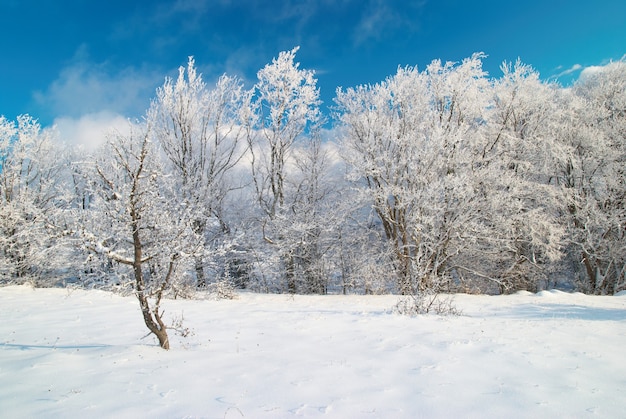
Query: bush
{"points": [[426, 302]]}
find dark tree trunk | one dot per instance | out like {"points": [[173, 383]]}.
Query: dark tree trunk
{"points": [[152, 318], [591, 272], [200, 275]]}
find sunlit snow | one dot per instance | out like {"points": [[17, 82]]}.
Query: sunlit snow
{"points": [[84, 354]]}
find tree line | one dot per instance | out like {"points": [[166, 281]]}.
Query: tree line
{"points": [[435, 180]]}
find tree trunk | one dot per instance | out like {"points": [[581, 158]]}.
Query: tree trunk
{"points": [[591, 272], [290, 273], [201, 281], [152, 318], [153, 321]]}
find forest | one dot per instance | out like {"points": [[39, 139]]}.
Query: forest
{"points": [[435, 180]]}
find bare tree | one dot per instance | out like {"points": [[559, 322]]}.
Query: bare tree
{"points": [[143, 226]]}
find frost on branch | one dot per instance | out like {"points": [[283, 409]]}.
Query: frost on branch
{"points": [[144, 225], [33, 241], [442, 178]]}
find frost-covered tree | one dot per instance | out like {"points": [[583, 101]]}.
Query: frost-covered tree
{"points": [[287, 105], [202, 132], [310, 227], [409, 139], [142, 225], [455, 169], [520, 232], [32, 198], [593, 173], [364, 262]]}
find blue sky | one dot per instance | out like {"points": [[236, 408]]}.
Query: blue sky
{"points": [[68, 59]]}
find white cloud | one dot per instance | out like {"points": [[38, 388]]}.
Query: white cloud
{"points": [[606, 66], [89, 101], [90, 131], [89, 88], [586, 72], [572, 69], [590, 71]]}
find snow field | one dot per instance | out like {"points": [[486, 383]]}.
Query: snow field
{"points": [[81, 354]]}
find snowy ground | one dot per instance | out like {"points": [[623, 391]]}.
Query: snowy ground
{"points": [[81, 354]]}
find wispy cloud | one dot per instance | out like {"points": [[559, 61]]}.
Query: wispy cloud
{"points": [[380, 17], [86, 87], [585, 71], [571, 70], [88, 99]]}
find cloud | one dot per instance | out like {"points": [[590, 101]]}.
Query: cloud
{"points": [[380, 17], [605, 66], [90, 131], [572, 69], [89, 88], [372, 23], [299, 11], [590, 71], [581, 73]]}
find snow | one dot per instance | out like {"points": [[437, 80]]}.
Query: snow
{"points": [[83, 354]]}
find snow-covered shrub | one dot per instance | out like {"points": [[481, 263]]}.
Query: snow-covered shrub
{"points": [[223, 290], [426, 302]]}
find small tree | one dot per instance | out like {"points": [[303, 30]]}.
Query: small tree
{"points": [[143, 227]]}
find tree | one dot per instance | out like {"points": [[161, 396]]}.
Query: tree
{"points": [[409, 139], [592, 172], [311, 225], [31, 196], [143, 227], [521, 236], [287, 106], [201, 132], [455, 168]]}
